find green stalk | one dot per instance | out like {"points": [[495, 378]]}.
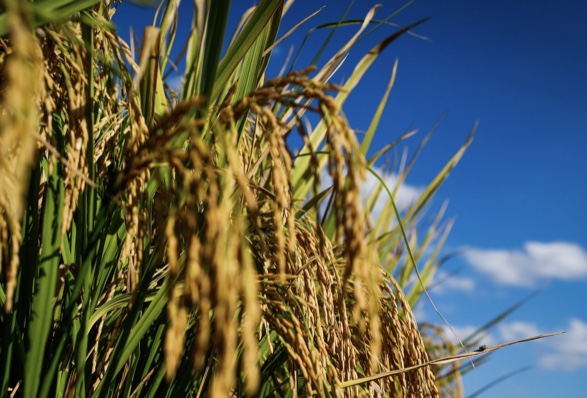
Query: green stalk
{"points": [[45, 281], [87, 213]]}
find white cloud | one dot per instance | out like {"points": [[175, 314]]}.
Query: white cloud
{"points": [[465, 331], [567, 351], [563, 352], [517, 330], [404, 197], [443, 283], [537, 260]]}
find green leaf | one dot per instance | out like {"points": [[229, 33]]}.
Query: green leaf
{"points": [[45, 281], [245, 40], [42, 12]]}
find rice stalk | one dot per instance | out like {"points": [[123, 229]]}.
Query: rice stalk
{"points": [[22, 90]]}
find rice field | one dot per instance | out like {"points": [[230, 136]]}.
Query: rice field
{"points": [[170, 243]]}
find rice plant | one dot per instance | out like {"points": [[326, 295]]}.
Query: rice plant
{"points": [[159, 243]]}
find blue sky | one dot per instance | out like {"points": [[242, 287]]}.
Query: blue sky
{"points": [[517, 67]]}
